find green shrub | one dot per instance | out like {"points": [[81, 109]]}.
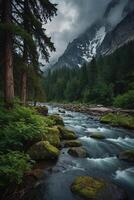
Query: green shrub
{"points": [[125, 101], [119, 119], [19, 125], [13, 166]]}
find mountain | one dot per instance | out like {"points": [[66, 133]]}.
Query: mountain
{"points": [[102, 37], [121, 34]]}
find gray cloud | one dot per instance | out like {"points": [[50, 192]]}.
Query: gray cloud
{"points": [[74, 16], [116, 13]]}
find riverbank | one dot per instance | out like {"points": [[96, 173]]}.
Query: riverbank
{"points": [[119, 117], [96, 111], [30, 141]]}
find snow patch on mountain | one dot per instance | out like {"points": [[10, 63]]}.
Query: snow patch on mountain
{"points": [[90, 49]]}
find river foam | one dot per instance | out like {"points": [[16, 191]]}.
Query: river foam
{"points": [[126, 175]]}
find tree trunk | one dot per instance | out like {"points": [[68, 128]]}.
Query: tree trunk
{"points": [[8, 57], [24, 76], [25, 58], [24, 87]]}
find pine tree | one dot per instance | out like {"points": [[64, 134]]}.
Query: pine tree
{"points": [[6, 18]]}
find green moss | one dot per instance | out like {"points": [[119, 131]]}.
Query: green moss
{"points": [[43, 110], [123, 120], [97, 136], [87, 187], [72, 143], [53, 136], [56, 119], [43, 151], [66, 134], [127, 155], [78, 152]]}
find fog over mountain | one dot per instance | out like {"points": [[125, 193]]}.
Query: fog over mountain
{"points": [[74, 17]]}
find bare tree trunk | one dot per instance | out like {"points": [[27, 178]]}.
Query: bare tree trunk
{"points": [[24, 87], [25, 58], [24, 76], [8, 57]]}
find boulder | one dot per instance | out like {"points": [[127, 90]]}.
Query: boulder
{"points": [[53, 136], [95, 189], [97, 136], [78, 152], [62, 111], [66, 134], [43, 151], [36, 173], [43, 110], [71, 143], [56, 119], [127, 155]]}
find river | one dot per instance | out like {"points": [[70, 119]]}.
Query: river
{"points": [[102, 162]]}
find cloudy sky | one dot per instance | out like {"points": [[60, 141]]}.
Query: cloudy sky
{"points": [[74, 16]]}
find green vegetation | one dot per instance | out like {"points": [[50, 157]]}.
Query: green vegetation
{"points": [[97, 136], [87, 187], [125, 101], [78, 152], [66, 134], [20, 128], [21, 125], [57, 119], [13, 166], [43, 151], [53, 136], [127, 155], [118, 119], [106, 80], [72, 143]]}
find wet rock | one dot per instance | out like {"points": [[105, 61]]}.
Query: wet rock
{"points": [[53, 136], [56, 119], [127, 155], [71, 143], [69, 115], [36, 173], [78, 152], [97, 136], [43, 110], [62, 111], [43, 151], [95, 189], [66, 134]]}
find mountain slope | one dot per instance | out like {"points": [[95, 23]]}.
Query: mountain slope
{"points": [[83, 48], [103, 37], [123, 33]]}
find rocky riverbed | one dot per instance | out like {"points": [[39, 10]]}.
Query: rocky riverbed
{"points": [[98, 162]]}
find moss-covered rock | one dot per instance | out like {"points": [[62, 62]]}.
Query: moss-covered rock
{"points": [[71, 143], [94, 189], [119, 119], [127, 155], [97, 136], [78, 152], [53, 136], [56, 119], [66, 134], [43, 110], [43, 151]]}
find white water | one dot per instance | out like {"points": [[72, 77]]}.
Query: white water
{"points": [[102, 161]]}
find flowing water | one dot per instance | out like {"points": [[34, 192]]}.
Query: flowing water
{"points": [[102, 162]]}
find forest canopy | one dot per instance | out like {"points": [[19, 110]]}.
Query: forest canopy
{"points": [[105, 80]]}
